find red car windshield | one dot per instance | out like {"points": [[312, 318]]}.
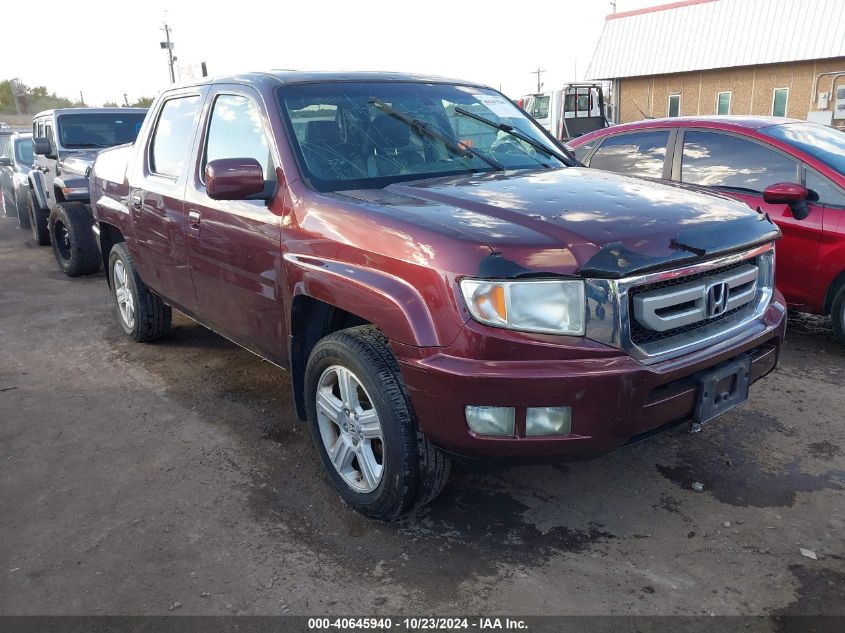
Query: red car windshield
{"points": [[819, 141]]}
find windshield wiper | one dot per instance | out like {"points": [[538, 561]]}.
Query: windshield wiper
{"points": [[509, 129], [422, 127]]}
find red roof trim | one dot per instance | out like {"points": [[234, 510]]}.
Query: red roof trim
{"points": [[662, 7]]}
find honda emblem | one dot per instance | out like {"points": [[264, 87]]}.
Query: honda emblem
{"points": [[717, 299]]}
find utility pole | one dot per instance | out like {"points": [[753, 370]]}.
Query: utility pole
{"points": [[613, 6], [125, 101], [81, 99], [538, 72], [167, 44]]}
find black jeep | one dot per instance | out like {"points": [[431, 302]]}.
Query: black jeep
{"points": [[65, 143]]}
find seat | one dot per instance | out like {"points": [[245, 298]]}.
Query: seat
{"points": [[388, 153]]}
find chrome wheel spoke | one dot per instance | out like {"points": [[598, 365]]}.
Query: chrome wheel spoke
{"points": [[348, 386], [342, 454], [330, 406], [370, 468], [370, 426]]}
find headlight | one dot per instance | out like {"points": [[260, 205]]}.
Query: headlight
{"points": [[549, 306]]}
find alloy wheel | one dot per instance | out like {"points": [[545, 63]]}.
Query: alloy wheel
{"points": [[123, 294], [350, 429]]}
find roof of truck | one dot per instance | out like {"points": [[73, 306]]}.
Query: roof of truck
{"points": [[317, 76]]}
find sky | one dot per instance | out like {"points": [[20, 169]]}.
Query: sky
{"points": [[107, 48]]}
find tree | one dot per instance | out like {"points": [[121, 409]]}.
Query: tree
{"points": [[109, 104], [143, 102]]}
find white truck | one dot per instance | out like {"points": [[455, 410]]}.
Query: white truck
{"points": [[569, 112]]}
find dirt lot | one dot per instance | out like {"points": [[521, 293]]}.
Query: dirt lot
{"points": [[137, 476]]}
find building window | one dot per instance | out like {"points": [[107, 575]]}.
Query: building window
{"points": [[674, 105], [723, 103], [779, 100]]}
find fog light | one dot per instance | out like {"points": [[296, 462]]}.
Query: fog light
{"points": [[548, 421], [491, 420]]}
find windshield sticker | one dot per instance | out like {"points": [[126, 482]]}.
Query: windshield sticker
{"points": [[499, 106]]}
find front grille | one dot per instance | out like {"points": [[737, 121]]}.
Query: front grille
{"points": [[641, 335], [681, 300]]}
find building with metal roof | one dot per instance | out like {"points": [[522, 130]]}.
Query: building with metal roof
{"points": [[761, 57]]}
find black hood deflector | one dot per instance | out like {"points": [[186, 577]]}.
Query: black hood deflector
{"points": [[615, 260]]}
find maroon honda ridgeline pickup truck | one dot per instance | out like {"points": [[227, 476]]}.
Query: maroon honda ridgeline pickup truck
{"points": [[434, 271]]}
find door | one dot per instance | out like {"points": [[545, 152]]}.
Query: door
{"points": [[156, 194], [830, 197], [743, 168], [235, 245]]}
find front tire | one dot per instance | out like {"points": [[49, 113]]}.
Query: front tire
{"points": [[37, 221], [364, 429], [73, 241], [837, 314], [142, 314]]}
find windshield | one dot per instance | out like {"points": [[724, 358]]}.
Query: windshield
{"points": [[23, 151], [101, 129], [355, 135], [819, 141]]}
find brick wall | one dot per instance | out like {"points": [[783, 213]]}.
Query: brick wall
{"points": [[751, 87]]}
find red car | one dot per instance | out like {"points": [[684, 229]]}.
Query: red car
{"points": [[787, 168]]}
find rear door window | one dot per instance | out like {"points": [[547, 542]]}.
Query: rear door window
{"points": [[823, 191], [713, 159], [635, 154], [173, 135]]}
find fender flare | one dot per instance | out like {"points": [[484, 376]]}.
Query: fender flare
{"points": [[37, 187], [388, 302]]}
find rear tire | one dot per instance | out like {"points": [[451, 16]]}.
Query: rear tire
{"points": [[411, 472], [37, 221], [73, 241], [23, 212], [142, 314], [837, 314]]}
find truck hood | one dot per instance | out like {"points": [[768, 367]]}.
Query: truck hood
{"points": [[78, 161], [580, 221]]}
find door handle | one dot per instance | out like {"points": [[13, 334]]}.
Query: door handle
{"points": [[136, 199], [194, 217]]}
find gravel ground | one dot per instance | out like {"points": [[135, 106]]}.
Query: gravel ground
{"points": [[135, 477]]}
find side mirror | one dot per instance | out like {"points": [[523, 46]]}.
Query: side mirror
{"points": [[5, 161], [789, 193], [234, 179], [41, 146]]}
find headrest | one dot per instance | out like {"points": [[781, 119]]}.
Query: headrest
{"points": [[325, 132]]}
